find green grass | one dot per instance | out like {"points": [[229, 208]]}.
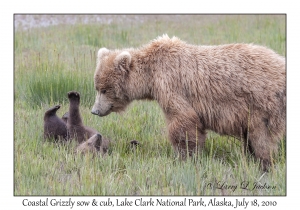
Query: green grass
{"points": [[51, 61]]}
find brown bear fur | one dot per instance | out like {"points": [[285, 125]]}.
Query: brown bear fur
{"points": [[54, 127], [76, 129], [65, 117], [95, 144], [134, 143], [233, 89]]}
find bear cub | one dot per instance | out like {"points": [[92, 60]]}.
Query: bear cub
{"points": [[54, 127], [65, 117], [76, 129], [88, 138], [93, 145]]}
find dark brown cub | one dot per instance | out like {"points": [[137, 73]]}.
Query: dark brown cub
{"points": [[76, 129], [54, 127]]}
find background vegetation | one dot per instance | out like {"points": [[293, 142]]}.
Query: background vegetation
{"points": [[52, 60]]}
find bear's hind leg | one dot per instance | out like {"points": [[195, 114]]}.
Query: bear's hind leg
{"points": [[264, 146]]}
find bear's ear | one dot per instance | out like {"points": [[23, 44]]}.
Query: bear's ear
{"points": [[98, 142], [123, 60], [101, 53]]}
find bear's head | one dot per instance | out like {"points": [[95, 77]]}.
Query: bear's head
{"points": [[92, 145], [113, 67], [65, 117]]}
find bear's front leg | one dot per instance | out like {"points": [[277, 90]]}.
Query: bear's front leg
{"points": [[186, 132]]}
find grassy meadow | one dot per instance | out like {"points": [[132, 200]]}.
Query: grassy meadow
{"points": [[50, 61]]}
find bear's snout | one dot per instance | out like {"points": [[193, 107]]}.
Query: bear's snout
{"points": [[95, 112]]}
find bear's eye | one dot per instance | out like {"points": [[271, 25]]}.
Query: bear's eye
{"points": [[103, 91]]}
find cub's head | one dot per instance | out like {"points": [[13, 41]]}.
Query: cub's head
{"points": [[92, 145], [65, 117], [110, 80]]}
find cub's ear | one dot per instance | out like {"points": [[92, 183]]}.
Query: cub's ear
{"points": [[101, 53], [98, 141], [123, 60]]}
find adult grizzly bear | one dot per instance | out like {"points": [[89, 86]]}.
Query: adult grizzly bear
{"points": [[233, 89], [54, 127]]}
